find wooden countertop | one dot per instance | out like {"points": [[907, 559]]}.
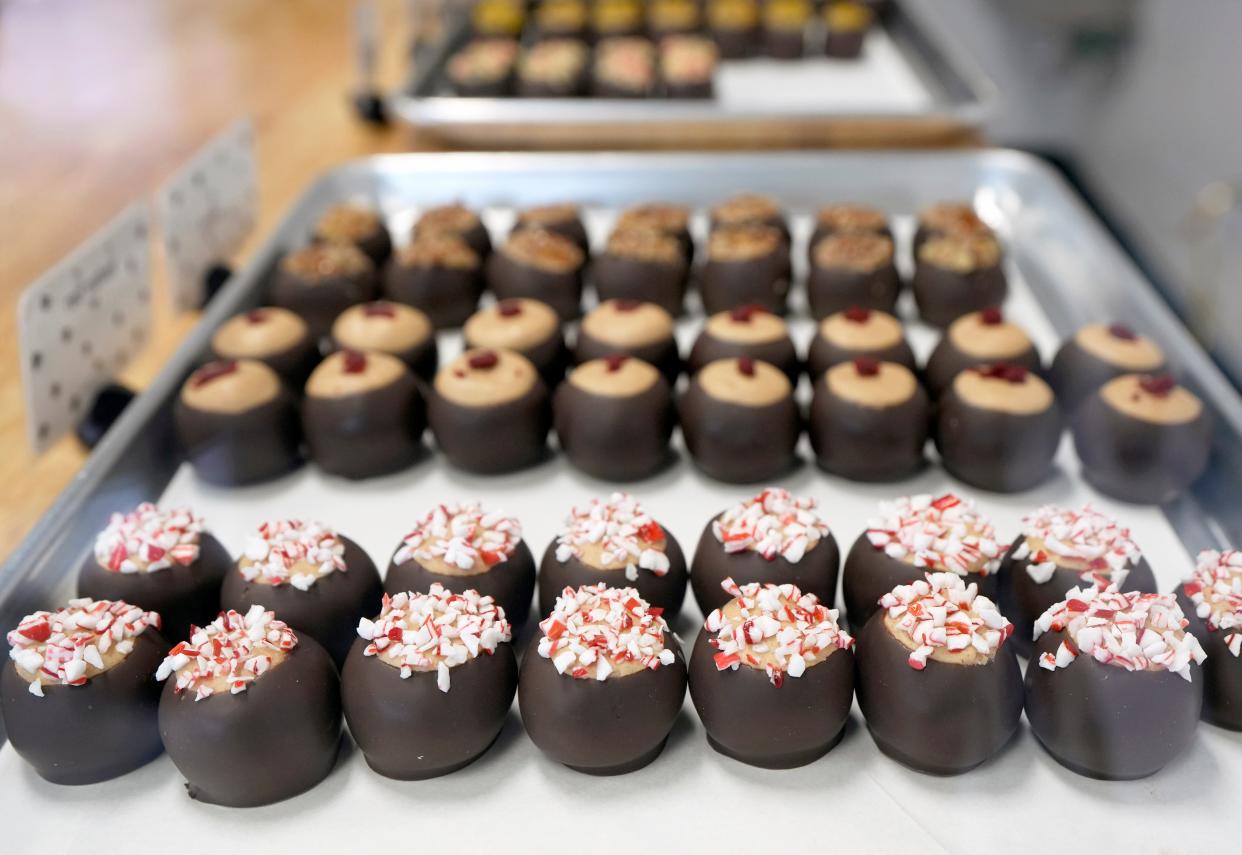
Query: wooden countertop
{"points": [[102, 101]]}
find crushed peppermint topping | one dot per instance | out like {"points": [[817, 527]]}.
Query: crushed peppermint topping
{"points": [[435, 631], [1087, 536], [774, 627], [1135, 631], [772, 523], [937, 533], [1215, 587], [150, 539], [618, 533], [292, 552], [233, 649], [462, 536], [69, 646], [595, 631], [944, 613]]}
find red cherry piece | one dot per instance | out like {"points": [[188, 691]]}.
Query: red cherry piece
{"points": [[615, 361], [355, 362], [624, 305], [213, 371], [991, 316], [1159, 385], [857, 314], [380, 310], [866, 366], [1122, 332], [483, 360], [257, 316], [509, 308], [743, 314], [746, 365], [1006, 371]]}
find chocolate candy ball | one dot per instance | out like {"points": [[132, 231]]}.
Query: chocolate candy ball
{"points": [[1209, 600], [94, 719], [238, 423], [1096, 354], [528, 327], [420, 710], [1142, 438], [746, 265], [852, 270], [439, 274], [489, 412], [978, 338], [625, 327], [320, 281], [271, 335], [358, 225], [740, 421], [751, 331], [869, 421], [858, 333], [541, 265], [955, 275], [392, 328]]}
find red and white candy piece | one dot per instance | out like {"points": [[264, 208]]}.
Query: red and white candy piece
{"points": [[1084, 535], [1131, 630], [937, 533], [623, 531], [776, 626], [436, 631], [943, 612], [1215, 587], [292, 552], [772, 523], [234, 648], [462, 535], [594, 629], [61, 646], [149, 538]]}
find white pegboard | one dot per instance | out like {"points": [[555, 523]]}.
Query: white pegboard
{"points": [[82, 321], [206, 212]]}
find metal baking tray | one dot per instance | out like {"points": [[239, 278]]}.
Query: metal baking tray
{"points": [[913, 86], [1065, 270]]}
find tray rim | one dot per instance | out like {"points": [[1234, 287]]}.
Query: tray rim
{"points": [[36, 549], [450, 111]]}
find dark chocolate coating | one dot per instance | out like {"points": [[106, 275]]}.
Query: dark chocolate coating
{"points": [[662, 354], [271, 742], [824, 354], [600, 727], [1023, 600], [569, 88], [783, 43], [749, 719], [423, 358], [181, 595], [835, 289], [1076, 374], [994, 450], [562, 291], [1135, 460], [447, 295], [571, 228], [737, 443], [815, 574], [844, 44], [696, 89], [626, 278], [254, 445], [328, 611], [1105, 722], [294, 364], [736, 43], [604, 88], [943, 720], [945, 295], [318, 301], [615, 438], [375, 244], [409, 729], [781, 353], [496, 87], [869, 574], [762, 281], [511, 583], [1222, 671], [948, 360], [490, 440], [666, 592], [86, 734], [868, 443], [366, 434]]}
